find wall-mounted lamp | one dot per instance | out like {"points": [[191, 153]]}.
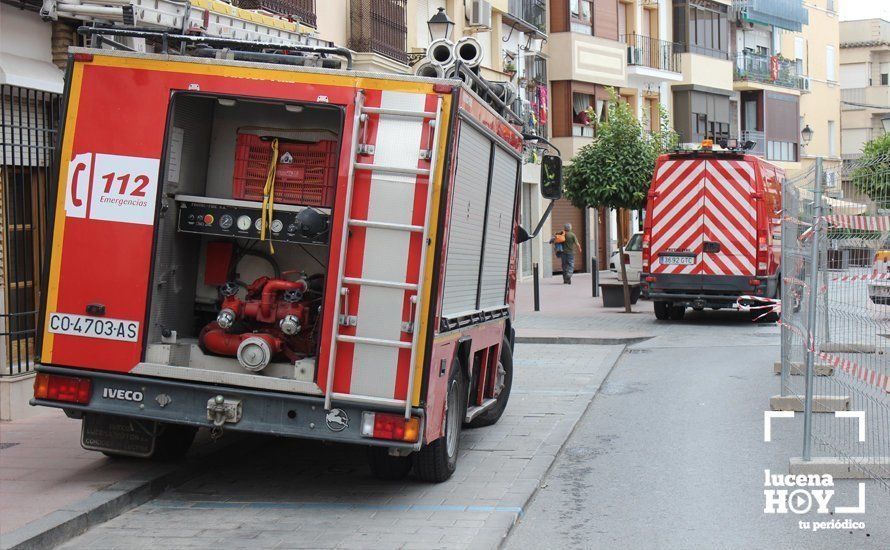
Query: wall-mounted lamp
{"points": [[440, 25], [806, 135]]}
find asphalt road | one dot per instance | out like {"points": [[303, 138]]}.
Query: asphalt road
{"points": [[670, 454]]}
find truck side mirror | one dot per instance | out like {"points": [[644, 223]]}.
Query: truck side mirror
{"points": [[551, 177]]}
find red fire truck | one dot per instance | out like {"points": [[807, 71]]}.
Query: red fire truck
{"points": [[712, 231], [250, 241]]}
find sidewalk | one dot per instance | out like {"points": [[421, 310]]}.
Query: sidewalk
{"points": [[570, 314], [51, 488]]}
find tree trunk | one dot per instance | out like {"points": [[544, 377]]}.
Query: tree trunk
{"points": [[624, 284]]}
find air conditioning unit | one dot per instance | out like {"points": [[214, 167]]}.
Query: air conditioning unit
{"points": [[480, 14], [634, 56], [804, 83]]}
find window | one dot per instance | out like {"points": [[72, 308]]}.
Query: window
{"points": [[582, 16], [586, 112], [884, 68], [799, 47], [832, 141], [830, 62], [784, 151], [703, 26]]}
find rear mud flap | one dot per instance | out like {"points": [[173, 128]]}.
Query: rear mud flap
{"points": [[118, 435]]}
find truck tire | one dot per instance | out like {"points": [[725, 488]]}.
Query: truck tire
{"points": [[385, 466], [677, 313], [173, 442], [502, 389], [662, 310], [436, 462]]}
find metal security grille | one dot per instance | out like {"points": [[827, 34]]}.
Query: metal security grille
{"points": [[28, 128], [380, 26], [836, 314]]}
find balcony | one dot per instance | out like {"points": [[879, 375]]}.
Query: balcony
{"points": [[759, 139], [304, 10], [651, 56], [857, 99], [528, 16], [769, 70], [379, 27]]}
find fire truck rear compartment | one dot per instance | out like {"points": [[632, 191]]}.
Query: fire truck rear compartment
{"points": [[210, 257]]}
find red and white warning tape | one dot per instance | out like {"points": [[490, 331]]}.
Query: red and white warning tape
{"points": [[857, 371], [864, 223], [874, 276]]}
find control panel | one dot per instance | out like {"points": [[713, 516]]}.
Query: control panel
{"points": [[241, 219]]}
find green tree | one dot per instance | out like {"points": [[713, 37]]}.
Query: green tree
{"points": [[872, 174], [615, 169]]}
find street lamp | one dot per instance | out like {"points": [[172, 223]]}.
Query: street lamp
{"points": [[885, 122], [806, 135], [440, 26]]}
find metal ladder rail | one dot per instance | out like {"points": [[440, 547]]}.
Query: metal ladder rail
{"points": [[424, 244], [434, 124], [335, 322]]}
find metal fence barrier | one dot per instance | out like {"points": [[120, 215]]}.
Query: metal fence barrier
{"points": [[836, 312]]}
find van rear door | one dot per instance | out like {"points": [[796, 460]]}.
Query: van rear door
{"points": [[729, 219], [677, 217]]}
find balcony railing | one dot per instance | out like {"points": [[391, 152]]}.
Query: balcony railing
{"points": [[379, 26], [529, 14], [768, 70], [785, 14], [303, 9], [651, 52], [701, 50], [853, 95]]}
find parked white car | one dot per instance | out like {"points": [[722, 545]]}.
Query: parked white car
{"points": [[633, 252]]}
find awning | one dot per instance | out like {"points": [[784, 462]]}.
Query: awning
{"points": [[25, 72]]}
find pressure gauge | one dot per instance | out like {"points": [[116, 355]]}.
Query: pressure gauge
{"points": [[258, 224], [226, 221], [243, 223], [277, 226]]}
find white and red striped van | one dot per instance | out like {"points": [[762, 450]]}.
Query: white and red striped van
{"points": [[712, 231]]}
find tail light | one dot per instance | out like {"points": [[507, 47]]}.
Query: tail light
{"points": [[646, 251], [62, 388], [762, 255], [394, 427]]}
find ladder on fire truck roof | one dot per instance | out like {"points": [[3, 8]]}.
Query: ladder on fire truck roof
{"points": [[361, 116], [212, 18]]}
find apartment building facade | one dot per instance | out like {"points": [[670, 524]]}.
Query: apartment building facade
{"points": [[864, 83]]}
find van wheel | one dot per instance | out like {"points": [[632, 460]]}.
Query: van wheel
{"points": [[501, 389], [677, 313], [437, 461], [662, 310], [385, 466]]}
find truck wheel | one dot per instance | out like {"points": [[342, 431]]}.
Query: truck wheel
{"points": [[662, 310], [677, 313], [385, 466], [502, 389], [437, 461]]}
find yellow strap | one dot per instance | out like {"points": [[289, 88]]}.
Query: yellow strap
{"points": [[269, 197]]}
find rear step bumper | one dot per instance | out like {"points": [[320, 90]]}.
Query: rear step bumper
{"points": [[263, 412], [705, 291]]}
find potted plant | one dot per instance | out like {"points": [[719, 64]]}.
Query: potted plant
{"points": [[509, 69]]}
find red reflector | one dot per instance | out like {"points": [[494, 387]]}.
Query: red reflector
{"points": [[754, 282], [443, 88], [650, 279], [83, 57], [62, 388]]}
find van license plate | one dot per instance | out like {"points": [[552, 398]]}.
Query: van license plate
{"points": [[677, 260], [93, 327]]}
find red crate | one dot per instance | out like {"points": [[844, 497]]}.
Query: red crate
{"points": [[308, 179]]}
